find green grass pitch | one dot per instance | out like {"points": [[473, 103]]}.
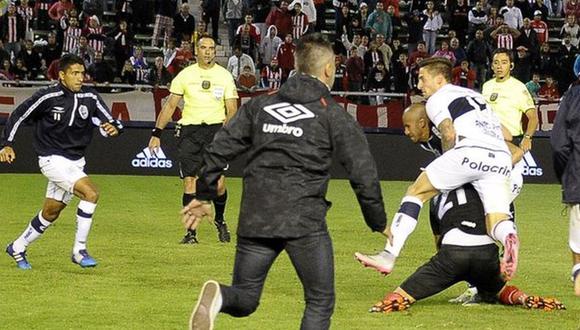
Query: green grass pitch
{"points": [[145, 280]]}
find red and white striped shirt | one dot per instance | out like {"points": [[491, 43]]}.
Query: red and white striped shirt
{"points": [[71, 39], [541, 29], [12, 29], [27, 14], [44, 5], [505, 41], [95, 38], [299, 25], [272, 78]]}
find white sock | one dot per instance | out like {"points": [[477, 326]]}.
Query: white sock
{"points": [[84, 221], [574, 232], [34, 230], [218, 304], [404, 223], [502, 229]]}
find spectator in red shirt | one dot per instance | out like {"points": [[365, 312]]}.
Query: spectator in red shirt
{"points": [[549, 90], [254, 30], [59, 8], [281, 18], [540, 27], [354, 72], [464, 76], [286, 55], [421, 52], [572, 7], [394, 3]]}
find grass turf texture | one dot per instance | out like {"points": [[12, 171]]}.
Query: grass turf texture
{"points": [[145, 280]]}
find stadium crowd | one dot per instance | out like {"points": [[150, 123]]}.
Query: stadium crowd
{"points": [[378, 44]]}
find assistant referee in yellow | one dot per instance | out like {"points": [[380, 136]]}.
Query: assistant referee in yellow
{"points": [[210, 98], [509, 99]]}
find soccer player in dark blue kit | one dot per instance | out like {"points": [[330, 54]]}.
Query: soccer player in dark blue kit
{"points": [[64, 117]]}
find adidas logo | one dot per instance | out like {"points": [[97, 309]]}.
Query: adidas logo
{"points": [[146, 159], [531, 168]]}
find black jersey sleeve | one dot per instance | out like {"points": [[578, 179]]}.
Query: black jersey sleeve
{"points": [[24, 113]]}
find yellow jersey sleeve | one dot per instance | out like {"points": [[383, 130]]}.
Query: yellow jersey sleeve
{"points": [[231, 91], [177, 86]]}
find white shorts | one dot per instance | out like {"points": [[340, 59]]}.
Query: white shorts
{"points": [[487, 170], [62, 174]]}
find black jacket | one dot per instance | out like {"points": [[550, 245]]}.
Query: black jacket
{"points": [[565, 142], [60, 127], [289, 138]]}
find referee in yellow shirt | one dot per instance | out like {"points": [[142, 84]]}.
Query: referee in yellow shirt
{"points": [[509, 99], [210, 98]]}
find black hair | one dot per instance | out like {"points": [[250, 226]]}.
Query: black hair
{"points": [[69, 59]]}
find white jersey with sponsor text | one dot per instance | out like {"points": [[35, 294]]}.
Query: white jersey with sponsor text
{"points": [[474, 122]]}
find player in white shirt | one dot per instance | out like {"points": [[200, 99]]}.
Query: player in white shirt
{"points": [[474, 152]]}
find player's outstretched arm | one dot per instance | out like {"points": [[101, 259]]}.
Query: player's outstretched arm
{"points": [[7, 155]]}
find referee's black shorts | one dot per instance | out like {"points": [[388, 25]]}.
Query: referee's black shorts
{"points": [[191, 143], [478, 265]]}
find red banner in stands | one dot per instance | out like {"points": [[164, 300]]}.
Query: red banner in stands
{"points": [[145, 106]]}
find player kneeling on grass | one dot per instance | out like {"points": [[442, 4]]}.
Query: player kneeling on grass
{"points": [[64, 117], [466, 253]]}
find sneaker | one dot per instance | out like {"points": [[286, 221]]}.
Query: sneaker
{"points": [[206, 309], [223, 232], [83, 259], [384, 262], [189, 238], [19, 257], [465, 296], [473, 300], [509, 262]]}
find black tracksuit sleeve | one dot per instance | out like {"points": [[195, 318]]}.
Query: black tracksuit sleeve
{"points": [[352, 151], [102, 111], [24, 113], [230, 141], [560, 139]]}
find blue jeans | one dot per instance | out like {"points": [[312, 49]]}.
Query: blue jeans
{"points": [[313, 259]]}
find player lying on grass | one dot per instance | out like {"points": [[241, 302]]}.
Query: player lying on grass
{"points": [[466, 253]]}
